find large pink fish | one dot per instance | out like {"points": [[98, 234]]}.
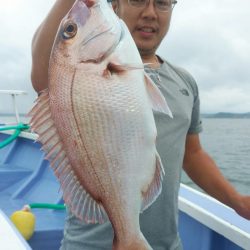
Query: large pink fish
{"points": [[96, 124]]}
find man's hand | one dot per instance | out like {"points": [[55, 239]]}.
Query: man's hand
{"points": [[204, 172], [242, 206]]}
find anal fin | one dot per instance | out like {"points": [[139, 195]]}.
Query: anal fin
{"points": [[84, 206]]}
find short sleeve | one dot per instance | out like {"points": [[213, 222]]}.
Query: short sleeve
{"points": [[196, 123]]}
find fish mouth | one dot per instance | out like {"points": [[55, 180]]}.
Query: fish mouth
{"points": [[82, 7]]}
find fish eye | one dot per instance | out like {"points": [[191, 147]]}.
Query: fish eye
{"points": [[70, 30]]}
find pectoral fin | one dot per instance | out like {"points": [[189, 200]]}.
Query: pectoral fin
{"points": [[158, 101], [116, 68]]}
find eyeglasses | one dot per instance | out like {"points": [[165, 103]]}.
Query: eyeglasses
{"points": [[161, 5]]}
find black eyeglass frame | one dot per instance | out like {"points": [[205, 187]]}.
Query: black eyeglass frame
{"points": [[173, 2]]}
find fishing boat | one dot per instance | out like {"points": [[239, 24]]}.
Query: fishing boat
{"points": [[27, 179]]}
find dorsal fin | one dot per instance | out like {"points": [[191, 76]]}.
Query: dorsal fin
{"points": [[79, 201]]}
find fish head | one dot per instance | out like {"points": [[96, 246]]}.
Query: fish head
{"points": [[88, 33]]}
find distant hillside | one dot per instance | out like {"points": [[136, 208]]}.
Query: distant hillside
{"points": [[228, 115]]}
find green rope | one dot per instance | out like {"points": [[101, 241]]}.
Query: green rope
{"points": [[18, 129], [47, 206]]}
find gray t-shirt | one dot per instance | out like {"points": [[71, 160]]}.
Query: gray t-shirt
{"points": [[158, 222]]}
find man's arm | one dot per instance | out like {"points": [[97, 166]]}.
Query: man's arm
{"points": [[201, 168], [43, 41]]}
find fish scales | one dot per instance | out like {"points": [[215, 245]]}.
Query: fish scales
{"points": [[103, 137], [98, 129]]}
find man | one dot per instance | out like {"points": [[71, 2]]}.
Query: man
{"points": [[177, 142]]}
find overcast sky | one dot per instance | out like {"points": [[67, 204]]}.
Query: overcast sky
{"points": [[210, 39]]}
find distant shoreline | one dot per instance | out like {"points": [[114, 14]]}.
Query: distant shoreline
{"points": [[222, 115]]}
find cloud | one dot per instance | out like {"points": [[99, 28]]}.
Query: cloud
{"points": [[210, 39], [228, 99], [19, 21]]}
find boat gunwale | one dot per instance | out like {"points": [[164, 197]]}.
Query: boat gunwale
{"points": [[212, 220]]}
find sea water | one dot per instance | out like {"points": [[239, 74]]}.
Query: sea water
{"points": [[228, 142]]}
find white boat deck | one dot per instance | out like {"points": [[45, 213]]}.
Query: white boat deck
{"points": [[10, 238]]}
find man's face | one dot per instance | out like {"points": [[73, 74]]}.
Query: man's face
{"points": [[147, 25]]}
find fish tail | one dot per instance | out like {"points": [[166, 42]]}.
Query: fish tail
{"points": [[140, 243]]}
